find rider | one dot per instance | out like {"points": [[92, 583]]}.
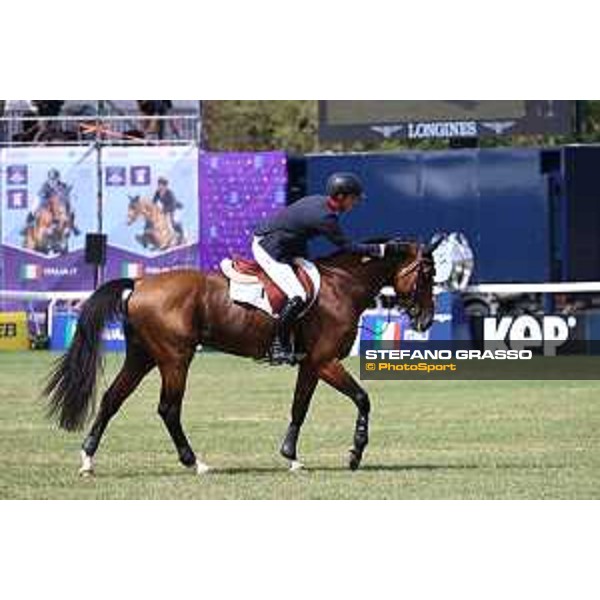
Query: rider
{"points": [[170, 205], [55, 186], [284, 237]]}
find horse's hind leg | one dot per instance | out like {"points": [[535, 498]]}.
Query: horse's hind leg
{"points": [[336, 376], [174, 376], [136, 366]]}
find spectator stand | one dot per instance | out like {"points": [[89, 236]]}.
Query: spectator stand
{"points": [[109, 122]]}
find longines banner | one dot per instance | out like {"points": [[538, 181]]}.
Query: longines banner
{"points": [[150, 209], [49, 202]]}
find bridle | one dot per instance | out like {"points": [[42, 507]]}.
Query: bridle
{"points": [[408, 302]]}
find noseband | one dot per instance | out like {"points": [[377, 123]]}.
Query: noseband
{"points": [[416, 265]]}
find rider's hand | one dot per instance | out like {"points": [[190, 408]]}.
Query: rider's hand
{"points": [[394, 249]]}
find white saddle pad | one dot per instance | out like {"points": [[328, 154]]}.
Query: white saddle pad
{"points": [[248, 289]]}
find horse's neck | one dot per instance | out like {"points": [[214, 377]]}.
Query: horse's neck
{"points": [[156, 212], [359, 279], [145, 208], [44, 220]]}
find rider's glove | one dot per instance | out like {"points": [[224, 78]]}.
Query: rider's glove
{"points": [[393, 249]]}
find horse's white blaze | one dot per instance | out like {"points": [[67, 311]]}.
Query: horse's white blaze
{"points": [[87, 464], [296, 465]]}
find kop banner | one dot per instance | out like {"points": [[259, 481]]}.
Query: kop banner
{"points": [[150, 209], [237, 191], [49, 201]]}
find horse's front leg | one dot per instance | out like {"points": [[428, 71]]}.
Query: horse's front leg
{"points": [[305, 386], [336, 376]]}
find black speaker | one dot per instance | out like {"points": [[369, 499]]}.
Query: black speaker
{"points": [[550, 161], [297, 178], [582, 213], [95, 248]]}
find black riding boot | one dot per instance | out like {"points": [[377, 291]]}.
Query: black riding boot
{"points": [[281, 350]]}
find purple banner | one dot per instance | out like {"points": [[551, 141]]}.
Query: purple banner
{"points": [[237, 191], [29, 272]]}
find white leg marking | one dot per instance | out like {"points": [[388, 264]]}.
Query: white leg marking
{"points": [[296, 465], [202, 468], [87, 465]]}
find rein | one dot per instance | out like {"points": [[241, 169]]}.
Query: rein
{"points": [[415, 264]]}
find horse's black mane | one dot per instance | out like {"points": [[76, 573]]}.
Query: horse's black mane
{"points": [[378, 240]]}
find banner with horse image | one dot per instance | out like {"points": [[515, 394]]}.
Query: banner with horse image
{"points": [[150, 209], [49, 202], [238, 190]]}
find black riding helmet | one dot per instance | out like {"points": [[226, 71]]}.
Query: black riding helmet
{"points": [[347, 184]]}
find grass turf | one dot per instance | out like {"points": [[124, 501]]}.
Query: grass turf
{"points": [[429, 440]]}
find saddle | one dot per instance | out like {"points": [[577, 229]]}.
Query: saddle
{"points": [[249, 284]]}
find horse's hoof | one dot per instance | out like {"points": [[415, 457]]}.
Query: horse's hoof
{"points": [[202, 468], [354, 458], [86, 472], [296, 465]]}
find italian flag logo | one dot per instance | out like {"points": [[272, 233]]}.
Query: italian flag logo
{"points": [[388, 332], [379, 329], [30, 272], [132, 270]]}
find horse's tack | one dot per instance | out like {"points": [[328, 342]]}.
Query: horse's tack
{"points": [[259, 290], [413, 265]]}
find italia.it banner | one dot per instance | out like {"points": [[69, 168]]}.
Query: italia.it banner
{"points": [[150, 209], [49, 201]]}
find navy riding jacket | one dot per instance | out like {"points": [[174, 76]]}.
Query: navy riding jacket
{"points": [[285, 235]]}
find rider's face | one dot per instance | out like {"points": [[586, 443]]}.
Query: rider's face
{"points": [[348, 202]]}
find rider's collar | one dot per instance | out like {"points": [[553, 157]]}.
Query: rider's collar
{"points": [[333, 205]]}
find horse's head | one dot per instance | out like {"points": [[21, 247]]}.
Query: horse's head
{"points": [[54, 202], [133, 210], [413, 283]]}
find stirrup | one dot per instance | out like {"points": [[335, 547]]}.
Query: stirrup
{"points": [[278, 355]]}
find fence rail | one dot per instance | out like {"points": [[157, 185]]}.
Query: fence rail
{"points": [[52, 298]]}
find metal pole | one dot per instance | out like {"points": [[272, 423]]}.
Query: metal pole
{"points": [[199, 124], [99, 269]]}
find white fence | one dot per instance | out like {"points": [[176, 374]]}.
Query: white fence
{"points": [[53, 298]]}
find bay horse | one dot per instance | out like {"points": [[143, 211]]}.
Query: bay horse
{"points": [[166, 316], [38, 229], [159, 232], [48, 229]]}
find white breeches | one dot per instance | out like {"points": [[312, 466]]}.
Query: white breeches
{"points": [[283, 275]]}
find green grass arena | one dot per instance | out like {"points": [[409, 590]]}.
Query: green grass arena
{"points": [[429, 440]]}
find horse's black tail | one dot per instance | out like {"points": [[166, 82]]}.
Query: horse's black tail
{"points": [[71, 387]]}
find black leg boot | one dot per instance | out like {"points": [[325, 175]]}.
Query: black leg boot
{"points": [[281, 350]]}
